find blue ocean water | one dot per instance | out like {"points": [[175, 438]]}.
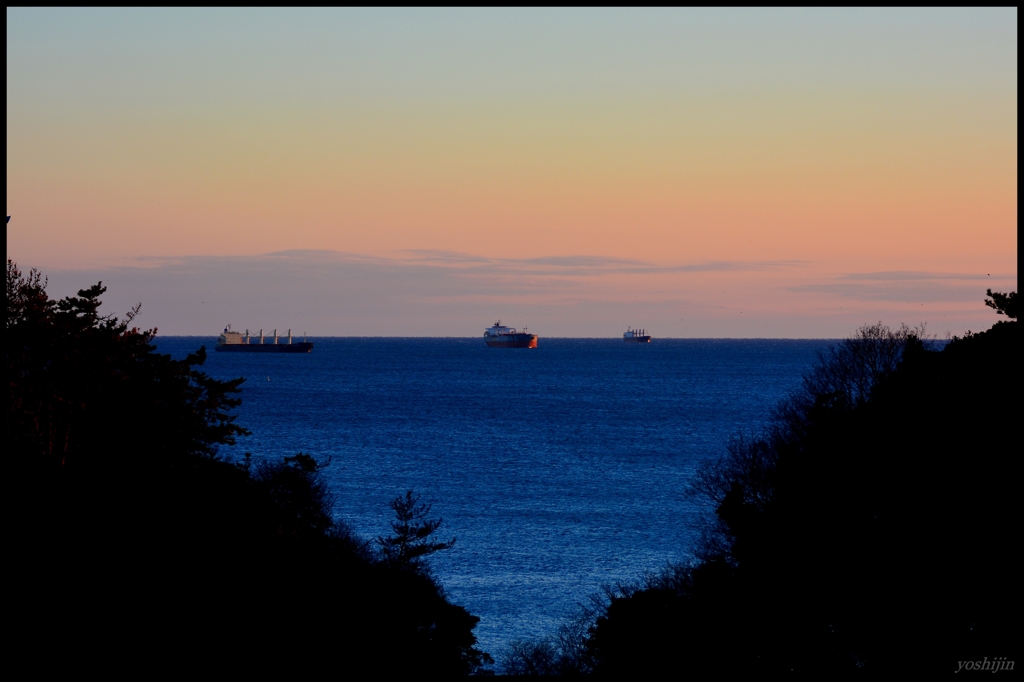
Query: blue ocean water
{"points": [[558, 469]]}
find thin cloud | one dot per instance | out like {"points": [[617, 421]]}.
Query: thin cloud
{"points": [[580, 265], [581, 261], [727, 266], [899, 275], [907, 286], [451, 257], [903, 291], [456, 264]]}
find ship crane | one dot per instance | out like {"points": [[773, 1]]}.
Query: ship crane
{"points": [[232, 341], [636, 336]]}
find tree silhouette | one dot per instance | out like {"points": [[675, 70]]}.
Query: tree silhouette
{"points": [[77, 378], [1003, 304], [411, 529]]}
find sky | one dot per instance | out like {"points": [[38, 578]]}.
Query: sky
{"points": [[423, 172]]}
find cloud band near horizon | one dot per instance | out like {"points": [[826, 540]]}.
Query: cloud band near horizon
{"points": [[456, 294]]}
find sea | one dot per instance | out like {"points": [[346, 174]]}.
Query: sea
{"points": [[560, 471]]}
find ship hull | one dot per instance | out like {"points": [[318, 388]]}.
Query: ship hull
{"points": [[637, 339], [264, 348], [512, 341]]}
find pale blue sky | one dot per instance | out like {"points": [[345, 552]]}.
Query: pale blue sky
{"points": [[155, 57]]}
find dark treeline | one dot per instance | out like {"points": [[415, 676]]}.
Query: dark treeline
{"points": [[873, 526], [135, 543]]}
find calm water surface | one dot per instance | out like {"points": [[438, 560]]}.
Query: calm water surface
{"points": [[558, 469]]}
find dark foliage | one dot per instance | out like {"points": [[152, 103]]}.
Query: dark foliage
{"points": [[136, 544], [81, 383], [566, 654], [872, 526], [411, 530], [1003, 304]]}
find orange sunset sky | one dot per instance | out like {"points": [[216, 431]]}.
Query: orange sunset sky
{"points": [[699, 173]]}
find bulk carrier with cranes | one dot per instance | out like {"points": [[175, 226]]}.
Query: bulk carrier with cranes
{"points": [[231, 341], [636, 336]]}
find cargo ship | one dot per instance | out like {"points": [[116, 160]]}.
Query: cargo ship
{"points": [[235, 342], [635, 336], [500, 336]]}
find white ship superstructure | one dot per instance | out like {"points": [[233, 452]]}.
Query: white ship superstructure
{"points": [[500, 336]]}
